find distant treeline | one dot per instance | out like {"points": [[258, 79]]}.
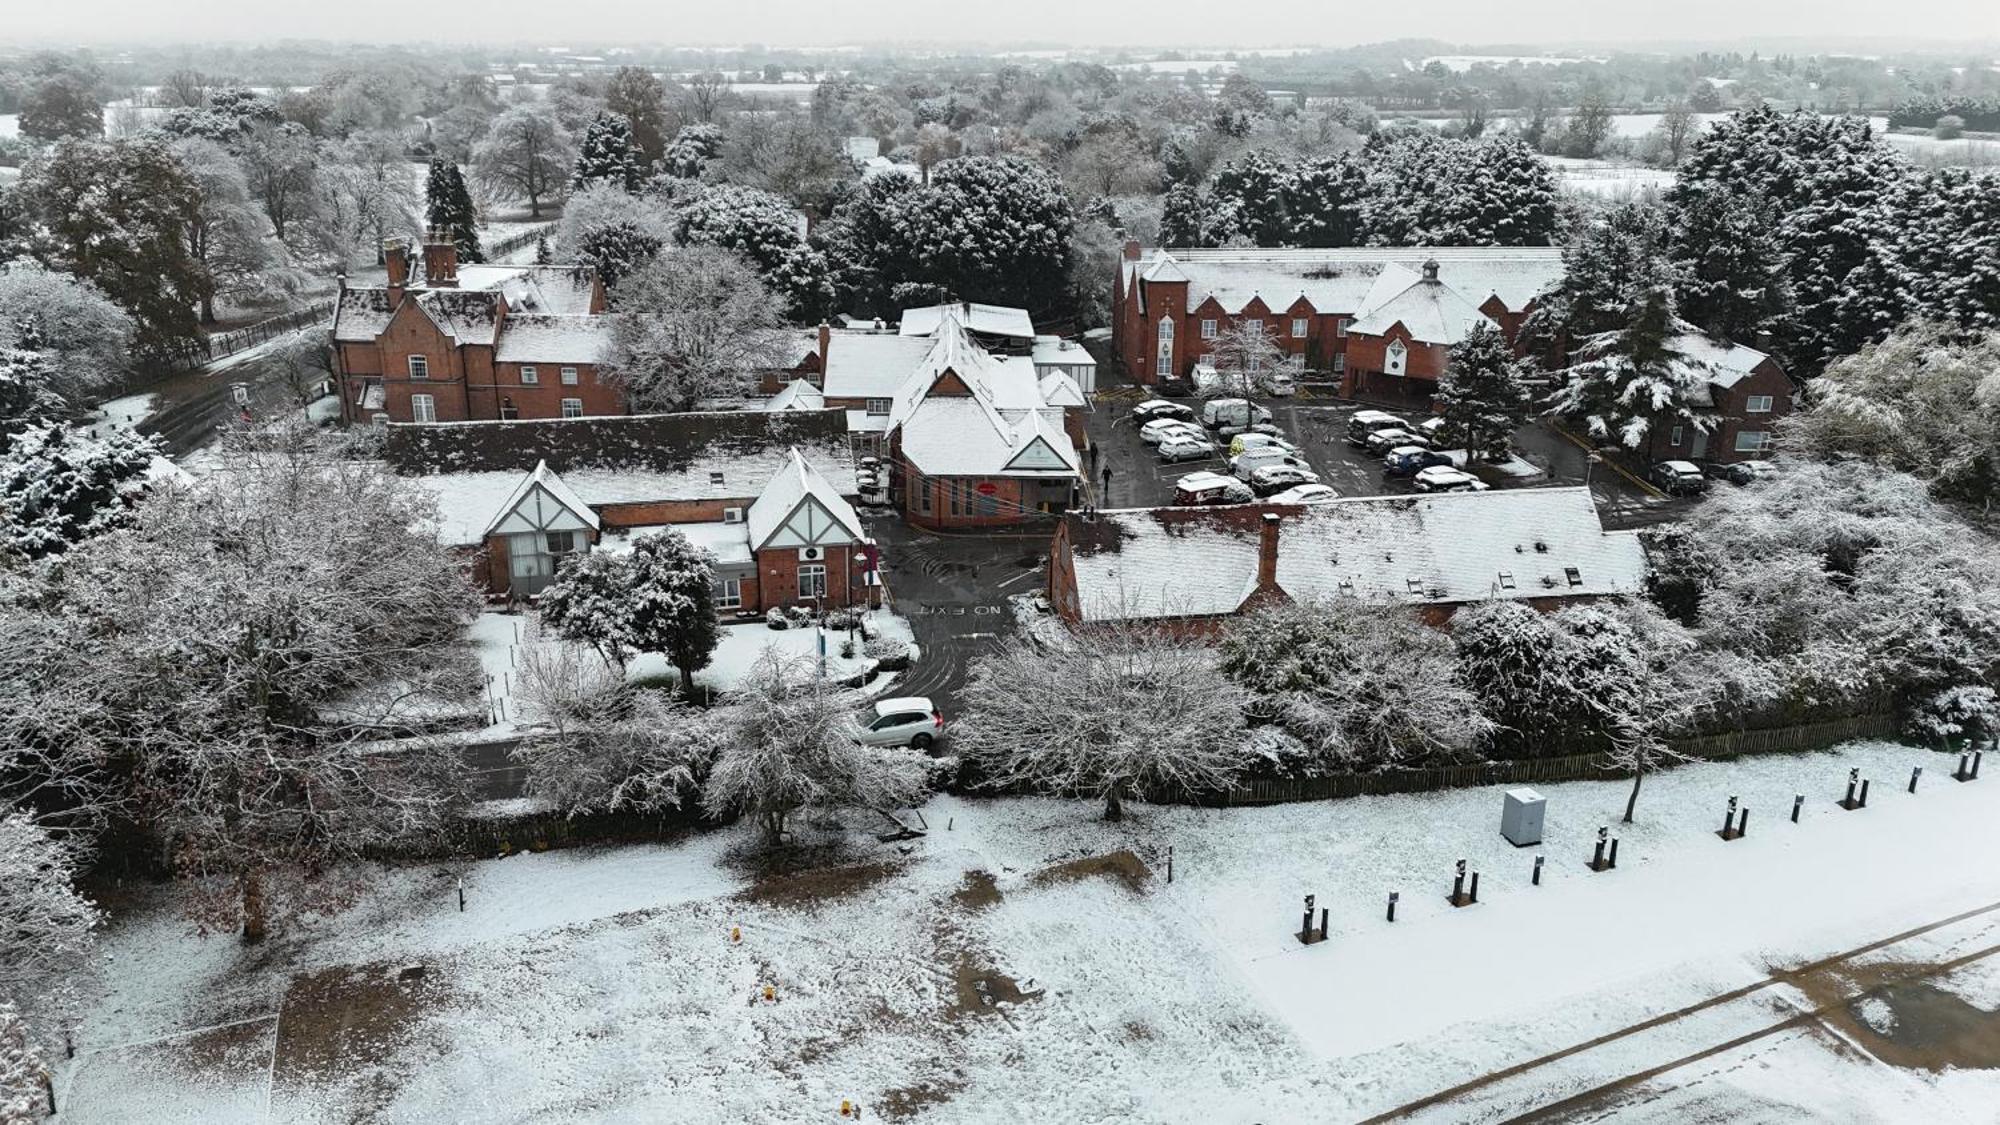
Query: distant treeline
{"points": [[1980, 114]]}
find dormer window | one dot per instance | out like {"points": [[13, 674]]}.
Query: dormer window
{"points": [[715, 478], [1396, 359], [1416, 585]]}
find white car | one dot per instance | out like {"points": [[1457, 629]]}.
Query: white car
{"points": [[1184, 447], [1304, 494], [1382, 441], [1243, 443], [1211, 488], [1157, 430], [911, 720], [1250, 460], [1278, 478], [1444, 478]]}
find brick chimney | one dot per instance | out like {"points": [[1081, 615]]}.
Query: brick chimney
{"points": [[1132, 249], [440, 259], [1267, 553], [825, 338], [396, 256]]}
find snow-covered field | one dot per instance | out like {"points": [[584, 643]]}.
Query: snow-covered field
{"points": [[1013, 965], [1609, 178]]}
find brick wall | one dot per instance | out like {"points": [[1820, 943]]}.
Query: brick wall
{"points": [[778, 577], [652, 513]]}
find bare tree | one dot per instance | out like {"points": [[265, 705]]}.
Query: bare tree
{"points": [[596, 744], [1121, 711], [1678, 126], [185, 87], [527, 154], [787, 744], [935, 142], [704, 96], [694, 324], [281, 166], [303, 362], [1247, 358]]}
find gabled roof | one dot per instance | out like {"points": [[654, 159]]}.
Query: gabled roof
{"points": [[467, 317], [1397, 550], [1036, 447], [1723, 364], [797, 497], [982, 432], [797, 395], [542, 502], [1337, 281], [988, 320], [1431, 311], [1163, 268], [1059, 389], [534, 338]]}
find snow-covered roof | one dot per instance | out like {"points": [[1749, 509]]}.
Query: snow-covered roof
{"points": [[797, 395], [1337, 281], [532, 338], [795, 485], [1399, 550], [984, 430], [988, 320], [727, 543], [1054, 351], [1431, 311], [545, 490], [467, 310], [1724, 364], [870, 364], [360, 315], [1059, 389]]}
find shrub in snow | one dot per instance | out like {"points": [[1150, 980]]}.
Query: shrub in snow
{"points": [[60, 486], [658, 597], [801, 615], [69, 319], [1679, 570], [786, 745], [884, 649], [1969, 712], [1950, 127], [1123, 712], [842, 619], [22, 1100], [601, 745], [776, 619], [1363, 686], [48, 924]]}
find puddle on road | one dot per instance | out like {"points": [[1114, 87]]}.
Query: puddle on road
{"points": [[1908, 1023]]}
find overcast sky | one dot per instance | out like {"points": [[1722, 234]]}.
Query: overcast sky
{"points": [[1065, 22]]}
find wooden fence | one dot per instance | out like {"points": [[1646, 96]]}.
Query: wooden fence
{"points": [[199, 353], [505, 246], [1570, 767]]}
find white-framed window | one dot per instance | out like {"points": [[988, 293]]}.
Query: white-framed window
{"points": [[1752, 441], [529, 376], [1674, 438], [812, 580], [561, 542], [420, 367], [728, 593], [1340, 326], [508, 411], [1166, 330], [1208, 328], [1252, 323], [878, 405], [1164, 366], [1299, 326], [1340, 361], [1757, 404], [1396, 359], [572, 408], [921, 486], [423, 408], [569, 376]]}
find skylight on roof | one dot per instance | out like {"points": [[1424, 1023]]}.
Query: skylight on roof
{"points": [[1506, 580], [1574, 575]]}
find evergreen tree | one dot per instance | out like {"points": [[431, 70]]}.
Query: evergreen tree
{"points": [[1255, 185], [1192, 216], [1628, 381], [1951, 244], [59, 486], [542, 256], [607, 155], [1606, 268], [1481, 394], [1324, 198], [1733, 280], [448, 207]]}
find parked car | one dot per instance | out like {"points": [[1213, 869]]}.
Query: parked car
{"points": [[1232, 416], [1250, 460], [1159, 429], [1430, 427], [1382, 441], [1160, 408], [1242, 443], [1678, 478], [1409, 460], [1444, 478], [1366, 422], [1211, 488], [1739, 472], [911, 720], [1281, 384], [1278, 478], [1304, 494], [1186, 447]]}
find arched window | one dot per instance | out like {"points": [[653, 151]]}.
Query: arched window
{"points": [[1163, 360], [1397, 359]]}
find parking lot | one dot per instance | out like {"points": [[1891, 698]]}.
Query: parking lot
{"points": [[1318, 426]]}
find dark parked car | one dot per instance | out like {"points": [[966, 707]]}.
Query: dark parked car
{"points": [[1154, 408], [1409, 460], [1739, 472], [1364, 423], [1678, 478]]}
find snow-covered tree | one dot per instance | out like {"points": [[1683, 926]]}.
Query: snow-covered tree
{"points": [[698, 324], [448, 207], [45, 924], [607, 155], [526, 154], [60, 485], [786, 745], [585, 603], [368, 192], [659, 597], [789, 155], [1118, 712], [1365, 686], [769, 232], [114, 213], [634, 94], [226, 232], [253, 637], [1608, 268], [70, 321], [692, 150], [21, 1071], [604, 227], [1733, 279], [1324, 198], [1247, 358], [1950, 227], [303, 362], [1194, 216], [596, 744], [1482, 395], [60, 101], [1429, 189], [1925, 401], [1680, 570], [281, 164], [986, 228], [1626, 383]]}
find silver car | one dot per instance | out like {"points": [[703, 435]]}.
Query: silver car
{"points": [[911, 720]]}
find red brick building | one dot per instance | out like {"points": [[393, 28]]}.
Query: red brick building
{"points": [[768, 494], [1745, 394], [472, 343], [1376, 319], [1193, 568]]}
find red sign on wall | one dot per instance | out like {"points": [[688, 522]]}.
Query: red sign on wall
{"points": [[986, 488]]}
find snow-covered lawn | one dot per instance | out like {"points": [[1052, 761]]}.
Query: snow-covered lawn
{"points": [[1014, 966], [503, 641], [124, 413]]}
